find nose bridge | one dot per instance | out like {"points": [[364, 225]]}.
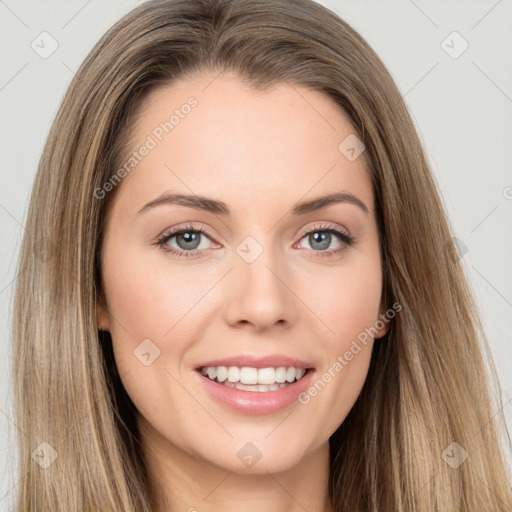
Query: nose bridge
{"points": [[258, 293]]}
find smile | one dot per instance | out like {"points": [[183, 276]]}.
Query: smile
{"points": [[259, 389], [248, 378]]}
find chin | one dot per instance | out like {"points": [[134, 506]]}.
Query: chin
{"points": [[260, 456]]}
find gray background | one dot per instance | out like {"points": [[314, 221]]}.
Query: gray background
{"points": [[462, 107]]}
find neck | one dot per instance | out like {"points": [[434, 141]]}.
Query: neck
{"points": [[181, 481]]}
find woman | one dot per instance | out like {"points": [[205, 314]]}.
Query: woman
{"points": [[251, 293]]}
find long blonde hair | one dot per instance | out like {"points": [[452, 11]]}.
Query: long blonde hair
{"points": [[428, 385]]}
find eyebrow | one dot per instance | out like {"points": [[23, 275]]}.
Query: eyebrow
{"points": [[220, 208]]}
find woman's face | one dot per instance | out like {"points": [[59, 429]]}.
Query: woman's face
{"points": [[268, 284]]}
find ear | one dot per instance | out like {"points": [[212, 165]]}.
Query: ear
{"points": [[382, 323], [102, 313]]}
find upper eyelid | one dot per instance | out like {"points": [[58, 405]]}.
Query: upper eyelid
{"points": [[323, 226]]}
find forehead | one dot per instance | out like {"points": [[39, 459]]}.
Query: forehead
{"points": [[220, 138]]}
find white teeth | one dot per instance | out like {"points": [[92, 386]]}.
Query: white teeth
{"points": [[249, 375], [233, 374], [266, 376], [222, 373], [280, 374], [290, 374], [254, 379], [261, 388]]}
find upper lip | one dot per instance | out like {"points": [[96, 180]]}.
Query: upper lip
{"points": [[268, 361]]}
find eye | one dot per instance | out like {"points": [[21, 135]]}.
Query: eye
{"points": [[184, 242], [323, 237], [189, 241]]}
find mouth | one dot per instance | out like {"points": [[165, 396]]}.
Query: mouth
{"points": [[259, 380], [251, 384]]}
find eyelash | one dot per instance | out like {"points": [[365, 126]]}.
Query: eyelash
{"points": [[345, 238]]}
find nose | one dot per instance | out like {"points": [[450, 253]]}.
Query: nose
{"points": [[260, 294]]}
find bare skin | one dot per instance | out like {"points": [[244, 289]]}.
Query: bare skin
{"points": [[260, 153]]}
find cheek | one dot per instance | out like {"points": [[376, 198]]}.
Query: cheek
{"points": [[149, 314], [347, 301], [145, 303]]}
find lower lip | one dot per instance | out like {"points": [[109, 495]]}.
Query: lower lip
{"points": [[256, 402]]}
